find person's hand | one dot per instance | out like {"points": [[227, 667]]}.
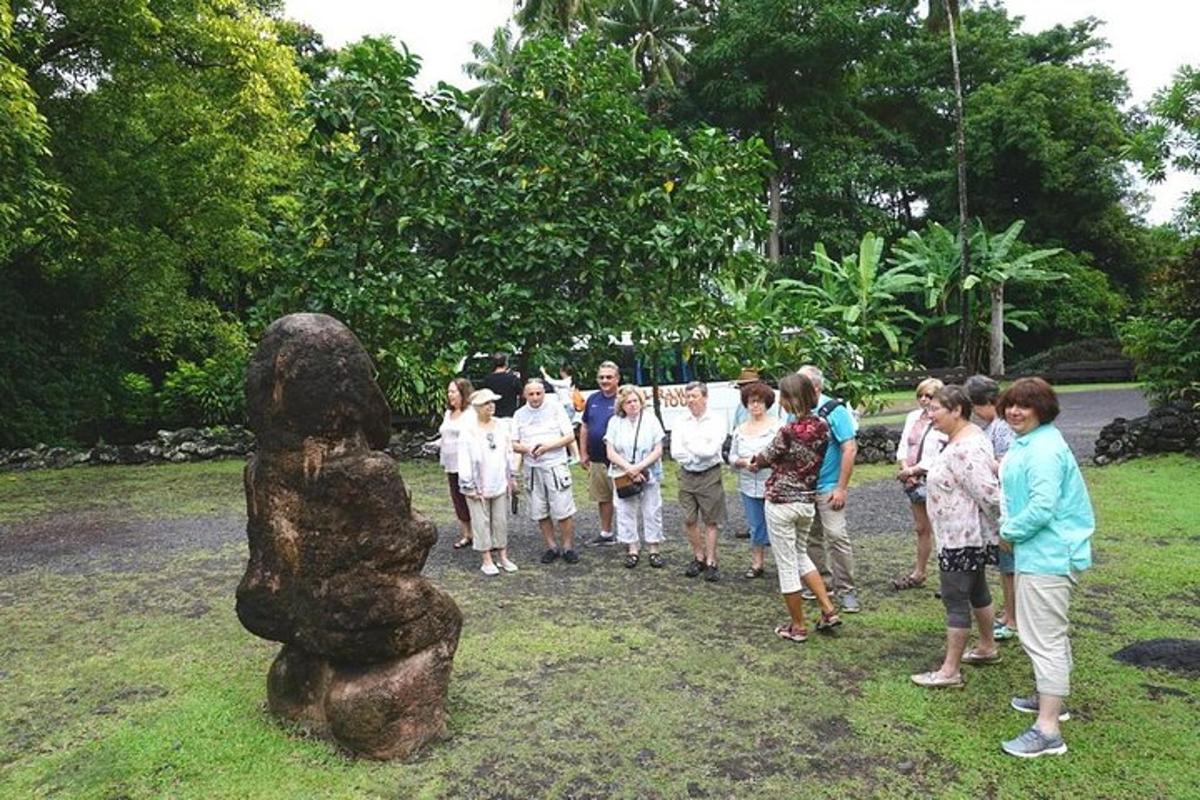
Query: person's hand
{"points": [[837, 499], [535, 451], [584, 461], [633, 472], [512, 484]]}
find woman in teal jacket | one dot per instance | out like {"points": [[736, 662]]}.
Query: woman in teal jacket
{"points": [[1048, 522]]}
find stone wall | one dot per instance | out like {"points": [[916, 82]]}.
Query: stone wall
{"points": [[185, 444], [1173, 428], [877, 445]]}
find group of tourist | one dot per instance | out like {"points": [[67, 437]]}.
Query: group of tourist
{"points": [[1008, 494]]}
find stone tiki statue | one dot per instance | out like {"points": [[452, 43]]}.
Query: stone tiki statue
{"points": [[336, 551]]}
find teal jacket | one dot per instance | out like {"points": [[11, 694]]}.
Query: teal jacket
{"points": [[1047, 512]]}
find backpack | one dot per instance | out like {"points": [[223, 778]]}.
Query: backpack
{"points": [[827, 408]]}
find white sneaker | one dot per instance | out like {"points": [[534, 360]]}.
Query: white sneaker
{"points": [[490, 570], [508, 565]]}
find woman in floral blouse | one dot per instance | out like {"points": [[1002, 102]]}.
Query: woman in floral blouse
{"points": [[795, 456], [964, 507]]}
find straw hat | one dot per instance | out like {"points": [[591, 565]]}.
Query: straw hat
{"points": [[747, 375]]}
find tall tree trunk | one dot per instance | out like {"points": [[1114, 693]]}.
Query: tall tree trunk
{"points": [[775, 207], [996, 348], [960, 156]]}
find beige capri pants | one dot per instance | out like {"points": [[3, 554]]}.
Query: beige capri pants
{"points": [[1042, 605], [787, 528]]}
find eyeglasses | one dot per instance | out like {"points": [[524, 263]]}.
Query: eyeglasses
{"points": [[925, 397], [491, 440]]}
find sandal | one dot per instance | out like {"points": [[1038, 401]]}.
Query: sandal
{"points": [[828, 620], [656, 561], [461, 543], [974, 656], [792, 634], [753, 572], [907, 582], [631, 560]]}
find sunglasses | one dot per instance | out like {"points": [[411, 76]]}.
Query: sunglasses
{"points": [[491, 440]]}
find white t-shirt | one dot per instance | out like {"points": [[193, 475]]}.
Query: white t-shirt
{"points": [[539, 425]]}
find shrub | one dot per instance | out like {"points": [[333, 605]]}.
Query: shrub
{"points": [[1166, 353], [211, 392]]}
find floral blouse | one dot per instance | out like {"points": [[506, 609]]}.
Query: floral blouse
{"points": [[795, 456], [964, 504]]}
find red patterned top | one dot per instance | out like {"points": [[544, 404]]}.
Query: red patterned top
{"points": [[795, 456]]}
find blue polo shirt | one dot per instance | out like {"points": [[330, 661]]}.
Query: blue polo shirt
{"points": [[842, 429], [597, 411]]}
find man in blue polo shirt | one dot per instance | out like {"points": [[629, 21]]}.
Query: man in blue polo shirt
{"points": [[594, 453], [828, 539]]}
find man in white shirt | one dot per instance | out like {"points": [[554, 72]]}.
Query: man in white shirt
{"points": [[541, 434], [696, 444]]}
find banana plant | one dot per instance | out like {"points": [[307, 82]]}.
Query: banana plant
{"points": [[859, 300]]}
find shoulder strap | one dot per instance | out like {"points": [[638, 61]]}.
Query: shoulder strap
{"points": [[828, 407]]}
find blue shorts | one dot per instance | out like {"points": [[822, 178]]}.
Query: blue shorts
{"points": [[1008, 564]]}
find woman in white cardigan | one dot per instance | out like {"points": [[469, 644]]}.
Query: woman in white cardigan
{"points": [[920, 443], [485, 475]]}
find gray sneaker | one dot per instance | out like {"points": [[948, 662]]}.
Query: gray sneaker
{"points": [[603, 541], [807, 594], [1029, 705], [1033, 743], [850, 603]]}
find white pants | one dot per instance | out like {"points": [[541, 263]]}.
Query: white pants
{"points": [[787, 528], [1042, 605], [649, 505]]}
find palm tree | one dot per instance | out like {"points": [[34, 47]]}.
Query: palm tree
{"points": [[652, 30], [492, 67], [557, 16], [945, 13]]}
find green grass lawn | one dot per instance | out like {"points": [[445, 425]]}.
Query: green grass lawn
{"points": [[613, 683]]}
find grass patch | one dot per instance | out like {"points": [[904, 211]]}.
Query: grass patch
{"points": [[609, 683]]}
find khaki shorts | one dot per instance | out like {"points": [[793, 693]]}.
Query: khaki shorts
{"points": [[599, 484], [702, 496], [549, 490]]}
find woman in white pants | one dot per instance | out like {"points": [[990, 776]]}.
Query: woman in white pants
{"points": [[634, 441], [795, 456]]}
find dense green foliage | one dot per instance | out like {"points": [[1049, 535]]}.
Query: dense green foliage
{"points": [[175, 173]]}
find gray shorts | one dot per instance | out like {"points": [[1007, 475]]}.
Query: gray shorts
{"points": [[550, 495], [962, 592]]}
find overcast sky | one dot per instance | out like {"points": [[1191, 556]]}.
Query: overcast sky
{"points": [[1149, 40]]}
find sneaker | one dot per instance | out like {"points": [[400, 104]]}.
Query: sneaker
{"points": [[1033, 743], [550, 556], [807, 594], [570, 556], [604, 541], [744, 533], [932, 680], [508, 565], [713, 575], [850, 603], [1029, 705], [1002, 633], [694, 568], [491, 570]]}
